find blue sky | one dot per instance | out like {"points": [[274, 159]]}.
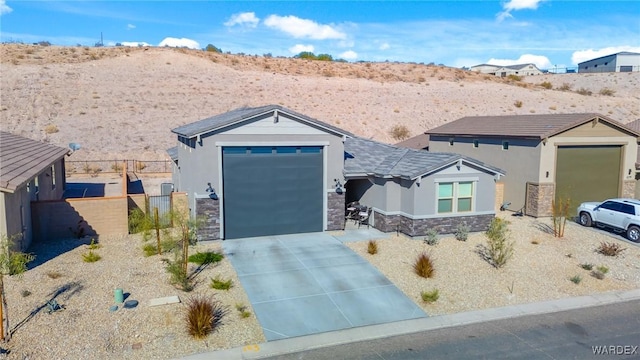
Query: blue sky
{"points": [[548, 33]]}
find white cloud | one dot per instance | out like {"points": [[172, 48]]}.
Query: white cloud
{"points": [[182, 42], [384, 46], [349, 55], [130, 26], [540, 61], [584, 55], [4, 9], [247, 19], [514, 5], [303, 28], [135, 43], [298, 48]]}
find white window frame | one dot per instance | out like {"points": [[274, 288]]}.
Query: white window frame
{"points": [[454, 198]]}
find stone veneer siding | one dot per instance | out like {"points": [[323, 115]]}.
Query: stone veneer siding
{"points": [[335, 211], [419, 227], [209, 210], [539, 198], [629, 189]]}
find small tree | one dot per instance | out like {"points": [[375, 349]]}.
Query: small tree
{"points": [[560, 213], [211, 48], [500, 249], [11, 263]]}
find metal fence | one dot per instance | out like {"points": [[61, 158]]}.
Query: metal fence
{"points": [[115, 166], [163, 203]]}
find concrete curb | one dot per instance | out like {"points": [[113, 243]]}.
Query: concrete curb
{"points": [[364, 333]]}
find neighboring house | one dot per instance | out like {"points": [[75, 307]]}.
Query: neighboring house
{"points": [[29, 171], [635, 126], [269, 170], [418, 142], [619, 62], [583, 157], [504, 71], [412, 191]]}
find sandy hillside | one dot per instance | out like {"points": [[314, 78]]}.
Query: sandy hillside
{"points": [[123, 102]]}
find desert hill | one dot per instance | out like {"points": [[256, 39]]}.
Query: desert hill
{"points": [[122, 102]]}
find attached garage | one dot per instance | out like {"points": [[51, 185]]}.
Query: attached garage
{"points": [[272, 190], [261, 171], [588, 173]]}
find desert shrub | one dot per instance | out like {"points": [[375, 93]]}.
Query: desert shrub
{"points": [[91, 257], [399, 132], [202, 258], [610, 249], [204, 315], [603, 269], [517, 103], [535, 242], [584, 91], [94, 245], [139, 221], [430, 296], [140, 166], [423, 266], [586, 266], [431, 238], [25, 293], [513, 77], [576, 279], [547, 85], [51, 129], [560, 212], [242, 309], [54, 274], [372, 247], [212, 48], [565, 87], [462, 232], [166, 246], [219, 284], [607, 91], [116, 167], [499, 248], [600, 272], [178, 275]]}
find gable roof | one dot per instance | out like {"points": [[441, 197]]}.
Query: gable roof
{"points": [[22, 159], [243, 114], [367, 157], [522, 126], [513, 67], [417, 142]]}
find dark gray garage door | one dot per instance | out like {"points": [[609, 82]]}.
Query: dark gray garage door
{"points": [[588, 173], [272, 190]]}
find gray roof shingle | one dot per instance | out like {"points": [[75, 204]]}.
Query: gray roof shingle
{"points": [[22, 159], [234, 116], [368, 157], [521, 126], [173, 153]]}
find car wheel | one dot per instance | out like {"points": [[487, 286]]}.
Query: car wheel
{"points": [[585, 219], [633, 233]]}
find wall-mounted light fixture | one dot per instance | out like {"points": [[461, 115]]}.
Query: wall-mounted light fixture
{"points": [[547, 174], [338, 184], [629, 171], [211, 191]]}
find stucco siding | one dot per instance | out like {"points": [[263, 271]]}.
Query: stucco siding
{"points": [[16, 217]]}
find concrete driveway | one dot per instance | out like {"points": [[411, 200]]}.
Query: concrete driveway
{"points": [[311, 283]]}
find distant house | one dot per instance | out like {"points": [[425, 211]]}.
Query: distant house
{"points": [[269, 170], [619, 62], [635, 126], [504, 71], [584, 157], [29, 171], [418, 142]]}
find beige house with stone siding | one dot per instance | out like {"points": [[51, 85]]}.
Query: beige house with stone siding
{"points": [[583, 157]]}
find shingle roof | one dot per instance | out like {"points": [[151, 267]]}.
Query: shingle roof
{"points": [[368, 157], [521, 126], [238, 115], [173, 153], [22, 159], [417, 142]]}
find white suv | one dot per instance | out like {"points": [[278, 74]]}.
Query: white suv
{"points": [[620, 214]]}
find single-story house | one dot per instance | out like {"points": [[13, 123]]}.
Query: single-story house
{"points": [[506, 70], [29, 171], [270, 170], [624, 61], [583, 157]]}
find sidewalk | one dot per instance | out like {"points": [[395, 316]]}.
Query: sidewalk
{"points": [[273, 348]]}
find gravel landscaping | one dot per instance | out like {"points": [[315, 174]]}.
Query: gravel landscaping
{"points": [[87, 329]]}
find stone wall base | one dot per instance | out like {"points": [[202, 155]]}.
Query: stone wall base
{"points": [[538, 199], [208, 210], [419, 227], [335, 211]]}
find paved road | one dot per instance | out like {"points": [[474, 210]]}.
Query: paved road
{"points": [[563, 335]]}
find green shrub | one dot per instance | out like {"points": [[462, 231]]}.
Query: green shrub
{"points": [[586, 266], [204, 315], [150, 249], [600, 272], [576, 279], [139, 221], [603, 269], [423, 266], [432, 237], [178, 276], [202, 258], [430, 296], [610, 249], [372, 247], [94, 245], [547, 85], [242, 309], [219, 284], [499, 249], [91, 257], [462, 232]]}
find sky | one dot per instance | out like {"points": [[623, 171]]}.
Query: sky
{"points": [[549, 33]]}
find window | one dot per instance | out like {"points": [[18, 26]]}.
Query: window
{"points": [[475, 143], [505, 145], [454, 197], [450, 141]]}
